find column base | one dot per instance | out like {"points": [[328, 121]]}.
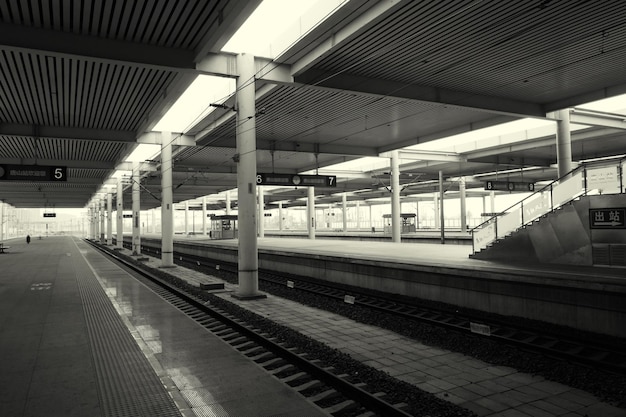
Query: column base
{"points": [[246, 297]]}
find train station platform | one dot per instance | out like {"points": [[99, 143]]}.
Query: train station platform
{"points": [[487, 390], [79, 338], [426, 254], [587, 298]]}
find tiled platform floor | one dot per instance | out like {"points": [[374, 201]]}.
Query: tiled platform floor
{"points": [[483, 388], [78, 337]]}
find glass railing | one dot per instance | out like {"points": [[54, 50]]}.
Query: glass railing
{"points": [[600, 177]]}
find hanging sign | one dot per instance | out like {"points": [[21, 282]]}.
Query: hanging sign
{"points": [[509, 186], [296, 180], [32, 173]]}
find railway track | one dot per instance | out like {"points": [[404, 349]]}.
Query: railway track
{"points": [[599, 353], [337, 394]]}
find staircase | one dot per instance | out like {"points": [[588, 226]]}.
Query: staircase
{"points": [[553, 225]]}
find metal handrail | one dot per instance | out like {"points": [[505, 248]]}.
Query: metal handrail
{"points": [[550, 187], [527, 197]]}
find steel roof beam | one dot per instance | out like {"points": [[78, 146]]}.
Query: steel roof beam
{"points": [[415, 155], [62, 132], [493, 104], [70, 163], [225, 65], [597, 118], [67, 44], [535, 142]]}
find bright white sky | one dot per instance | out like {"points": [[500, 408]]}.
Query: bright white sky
{"points": [[273, 26]]}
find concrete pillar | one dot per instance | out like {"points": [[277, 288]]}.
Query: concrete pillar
{"points": [[136, 210], [463, 205], [153, 227], [436, 209], [441, 211], [358, 216], [280, 216], [371, 219], [395, 198], [310, 211], [417, 215], [186, 217], [204, 202], [96, 220], [492, 199], [167, 202], [261, 206], [102, 220], [109, 217], [246, 179], [563, 143], [228, 202], [119, 203], [344, 211], [2, 222]]}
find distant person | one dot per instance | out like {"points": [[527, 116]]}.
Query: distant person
{"points": [[27, 239]]}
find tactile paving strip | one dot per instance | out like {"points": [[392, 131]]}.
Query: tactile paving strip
{"points": [[128, 385]]}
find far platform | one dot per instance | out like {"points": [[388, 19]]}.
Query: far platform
{"points": [[585, 298]]}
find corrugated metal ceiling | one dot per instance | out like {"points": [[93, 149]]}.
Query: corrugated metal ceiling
{"points": [[80, 81]]}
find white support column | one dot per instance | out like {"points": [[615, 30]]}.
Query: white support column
{"points": [[344, 212], [371, 219], [436, 209], [186, 218], [246, 180], [417, 215], [310, 211], [563, 143], [492, 200], [280, 216], [228, 204], [95, 220], [167, 202], [101, 213], [153, 228], [463, 205], [358, 216], [441, 212], [204, 202], [136, 210], [484, 201], [2, 221], [119, 202], [109, 217], [261, 206], [395, 198]]}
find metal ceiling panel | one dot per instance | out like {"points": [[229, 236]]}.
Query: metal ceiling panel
{"points": [[304, 115], [515, 50], [80, 81], [53, 91]]}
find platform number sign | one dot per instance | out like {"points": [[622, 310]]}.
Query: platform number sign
{"points": [[509, 186], [296, 180], [32, 173]]}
